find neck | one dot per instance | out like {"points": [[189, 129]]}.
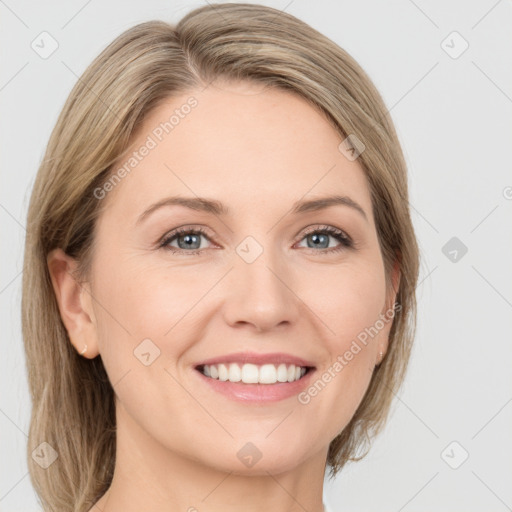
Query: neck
{"points": [[150, 477]]}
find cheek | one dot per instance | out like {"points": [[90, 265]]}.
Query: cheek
{"points": [[148, 301], [349, 300], [349, 306], [144, 318]]}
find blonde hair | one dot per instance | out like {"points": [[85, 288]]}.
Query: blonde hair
{"points": [[72, 398]]}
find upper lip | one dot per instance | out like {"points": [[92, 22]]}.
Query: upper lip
{"points": [[258, 359]]}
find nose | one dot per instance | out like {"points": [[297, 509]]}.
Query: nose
{"points": [[260, 295]]}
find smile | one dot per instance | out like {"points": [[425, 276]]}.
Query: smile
{"points": [[254, 374]]}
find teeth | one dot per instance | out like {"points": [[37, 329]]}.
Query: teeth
{"points": [[253, 374], [235, 373], [282, 373]]}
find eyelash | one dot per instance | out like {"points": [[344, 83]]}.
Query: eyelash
{"points": [[345, 241]]}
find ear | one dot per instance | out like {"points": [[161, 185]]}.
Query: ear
{"points": [[75, 303], [389, 310]]}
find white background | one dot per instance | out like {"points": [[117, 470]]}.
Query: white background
{"points": [[453, 117]]}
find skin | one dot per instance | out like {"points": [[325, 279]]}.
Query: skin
{"points": [[257, 151]]}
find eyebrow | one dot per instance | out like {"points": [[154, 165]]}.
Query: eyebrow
{"points": [[215, 207]]}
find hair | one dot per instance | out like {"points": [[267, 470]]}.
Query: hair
{"points": [[73, 406]]}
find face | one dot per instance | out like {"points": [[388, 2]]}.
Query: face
{"points": [[251, 276]]}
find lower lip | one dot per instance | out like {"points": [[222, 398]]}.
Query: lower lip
{"points": [[258, 392]]}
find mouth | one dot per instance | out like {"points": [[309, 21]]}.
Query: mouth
{"points": [[249, 373]]}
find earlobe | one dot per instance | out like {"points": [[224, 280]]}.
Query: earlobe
{"points": [[75, 303]]}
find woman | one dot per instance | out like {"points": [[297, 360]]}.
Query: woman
{"points": [[218, 296]]}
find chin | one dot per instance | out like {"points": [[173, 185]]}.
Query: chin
{"points": [[257, 458]]}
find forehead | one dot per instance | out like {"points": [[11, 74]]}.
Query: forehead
{"points": [[247, 145]]}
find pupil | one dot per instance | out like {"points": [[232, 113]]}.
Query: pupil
{"points": [[317, 240], [189, 241]]}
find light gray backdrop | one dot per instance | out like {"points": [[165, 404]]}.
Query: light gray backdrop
{"points": [[448, 444]]}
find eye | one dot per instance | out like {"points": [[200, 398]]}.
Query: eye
{"points": [[318, 238], [188, 240]]}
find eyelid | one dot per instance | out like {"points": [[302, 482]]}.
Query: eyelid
{"points": [[324, 227], [183, 228]]}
